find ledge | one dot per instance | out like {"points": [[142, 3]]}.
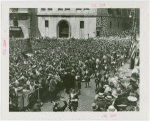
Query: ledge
{"points": [[14, 28]]}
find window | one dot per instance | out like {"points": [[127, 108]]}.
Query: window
{"points": [[79, 9], [43, 9], [118, 11], [50, 9], [81, 24], [97, 33], [67, 9], [110, 24], [60, 9], [110, 11], [118, 24], [46, 23], [86, 8]]}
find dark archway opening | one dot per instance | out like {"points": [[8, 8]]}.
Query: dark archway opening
{"points": [[63, 29]]}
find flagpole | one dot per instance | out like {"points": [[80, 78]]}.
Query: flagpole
{"points": [[133, 37]]}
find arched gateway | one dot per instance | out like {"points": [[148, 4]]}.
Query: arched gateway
{"points": [[63, 29]]}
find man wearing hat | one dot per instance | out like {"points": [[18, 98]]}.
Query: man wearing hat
{"points": [[100, 102], [108, 101], [120, 99], [99, 97], [20, 97], [95, 107], [132, 102]]}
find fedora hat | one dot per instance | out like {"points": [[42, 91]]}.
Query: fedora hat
{"points": [[94, 106]]}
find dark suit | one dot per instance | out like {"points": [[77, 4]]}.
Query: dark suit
{"points": [[119, 101], [69, 81], [101, 104]]}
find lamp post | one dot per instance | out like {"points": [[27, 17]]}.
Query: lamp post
{"points": [[132, 15]]}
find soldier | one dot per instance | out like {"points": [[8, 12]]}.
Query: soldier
{"points": [[73, 100], [87, 78], [95, 107]]}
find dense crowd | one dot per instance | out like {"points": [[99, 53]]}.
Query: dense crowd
{"points": [[57, 64]]}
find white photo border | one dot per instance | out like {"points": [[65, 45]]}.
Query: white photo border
{"points": [[144, 63]]}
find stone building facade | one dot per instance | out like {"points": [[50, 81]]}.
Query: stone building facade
{"points": [[113, 21], [71, 22]]}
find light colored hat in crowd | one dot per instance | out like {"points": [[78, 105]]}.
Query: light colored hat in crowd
{"points": [[73, 71], [109, 98], [100, 95], [132, 98], [76, 77], [16, 82], [111, 108], [33, 66], [86, 71], [133, 79], [94, 106], [107, 89], [105, 86]]}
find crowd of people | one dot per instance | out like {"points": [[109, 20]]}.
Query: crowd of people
{"points": [[57, 64]]}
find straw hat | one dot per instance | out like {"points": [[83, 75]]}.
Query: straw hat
{"points": [[109, 98], [111, 108], [132, 98], [100, 95]]}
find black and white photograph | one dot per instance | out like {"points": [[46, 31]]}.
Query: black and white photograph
{"points": [[74, 59]]}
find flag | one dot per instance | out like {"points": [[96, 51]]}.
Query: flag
{"points": [[132, 49]]}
